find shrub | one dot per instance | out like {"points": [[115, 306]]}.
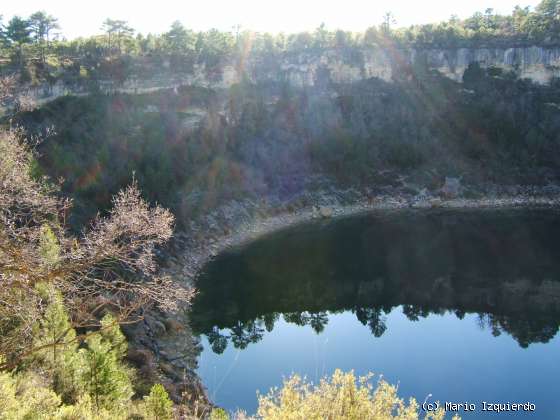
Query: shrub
{"points": [[219, 414], [158, 405], [343, 396], [25, 397], [103, 374], [113, 262]]}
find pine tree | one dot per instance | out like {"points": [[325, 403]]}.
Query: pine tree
{"points": [[112, 334], [104, 376], [48, 246], [56, 334], [158, 404]]}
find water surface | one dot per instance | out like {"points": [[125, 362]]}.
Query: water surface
{"points": [[463, 305]]}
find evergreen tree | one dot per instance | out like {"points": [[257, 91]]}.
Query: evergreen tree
{"points": [[3, 40], [48, 246], [179, 40], [56, 334], [18, 33], [113, 335], [117, 31], [42, 25], [104, 376], [158, 405]]}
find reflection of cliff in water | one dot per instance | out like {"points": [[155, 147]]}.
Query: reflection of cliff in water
{"points": [[503, 265]]}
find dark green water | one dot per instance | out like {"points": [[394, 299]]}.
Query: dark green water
{"points": [[463, 305]]}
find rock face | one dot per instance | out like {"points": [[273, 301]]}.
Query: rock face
{"points": [[538, 63], [163, 348]]}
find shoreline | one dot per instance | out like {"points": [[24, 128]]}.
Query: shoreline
{"points": [[196, 254], [238, 223], [278, 223]]}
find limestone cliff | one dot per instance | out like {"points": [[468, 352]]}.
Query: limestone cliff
{"points": [[538, 63]]}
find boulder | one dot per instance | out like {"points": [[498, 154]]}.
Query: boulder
{"points": [[325, 212], [435, 202]]}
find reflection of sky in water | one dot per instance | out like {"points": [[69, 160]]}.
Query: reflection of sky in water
{"points": [[452, 359]]}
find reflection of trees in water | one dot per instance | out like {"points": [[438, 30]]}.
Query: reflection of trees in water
{"points": [[269, 320], [524, 331], [317, 320], [246, 332], [414, 313], [217, 341], [501, 265], [373, 319], [241, 335]]}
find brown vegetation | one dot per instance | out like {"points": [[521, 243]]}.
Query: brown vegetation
{"points": [[110, 267]]}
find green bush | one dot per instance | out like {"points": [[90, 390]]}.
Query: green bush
{"points": [[158, 406], [219, 414], [61, 382]]}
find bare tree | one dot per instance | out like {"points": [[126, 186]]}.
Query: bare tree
{"points": [[388, 21], [111, 266]]}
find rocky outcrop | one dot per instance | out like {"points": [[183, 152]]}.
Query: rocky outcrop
{"points": [[538, 63], [163, 349]]}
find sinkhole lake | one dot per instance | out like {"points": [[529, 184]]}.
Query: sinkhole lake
{"points": [[460, 304]]}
